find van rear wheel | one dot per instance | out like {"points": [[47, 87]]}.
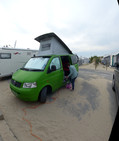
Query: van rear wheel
{"points": [[43, 95]]}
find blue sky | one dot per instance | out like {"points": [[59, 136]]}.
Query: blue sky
{"points": [[88, 28]]}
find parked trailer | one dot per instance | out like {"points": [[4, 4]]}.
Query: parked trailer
{"points": [[12, 59]]}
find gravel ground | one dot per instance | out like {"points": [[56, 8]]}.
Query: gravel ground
{"points": [[85, 114]]}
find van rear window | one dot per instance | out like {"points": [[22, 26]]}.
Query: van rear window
{"points": [[5, 55]]}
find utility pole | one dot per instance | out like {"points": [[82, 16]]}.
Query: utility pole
{"points": [[15, 43]]}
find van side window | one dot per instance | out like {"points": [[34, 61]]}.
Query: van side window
{"points": [[5, 55], [74, 59], [56, 62]]}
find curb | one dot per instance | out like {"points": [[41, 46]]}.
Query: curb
{"points": [[5, 131], [1, 138]]}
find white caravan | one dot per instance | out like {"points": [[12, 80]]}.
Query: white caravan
{"points": [[12, 59]]}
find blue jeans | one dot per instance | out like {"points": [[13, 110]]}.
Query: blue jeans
{"points": [[73, 81]]}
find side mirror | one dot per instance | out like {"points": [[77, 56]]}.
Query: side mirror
{"points": [[116, 65], [53, 68]]}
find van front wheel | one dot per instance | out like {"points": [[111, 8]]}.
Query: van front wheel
{"points": [[43, 95]]}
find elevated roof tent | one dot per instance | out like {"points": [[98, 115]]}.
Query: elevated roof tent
{"points": [[51, 44]]}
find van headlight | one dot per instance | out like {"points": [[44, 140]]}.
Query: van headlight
{"points": [[30, 85]]}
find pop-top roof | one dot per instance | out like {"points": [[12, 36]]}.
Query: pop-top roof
{"points": [[49, 35]]}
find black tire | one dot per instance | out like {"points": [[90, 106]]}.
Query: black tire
{"points": [[117, 96], [43, 95], [113, 85]]}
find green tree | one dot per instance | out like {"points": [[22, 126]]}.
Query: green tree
{"points": [[96, 61]]}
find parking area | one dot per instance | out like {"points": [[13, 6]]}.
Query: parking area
{"points": [[86, 114]]}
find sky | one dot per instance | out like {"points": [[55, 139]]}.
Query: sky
{"points": [[87, 27]]}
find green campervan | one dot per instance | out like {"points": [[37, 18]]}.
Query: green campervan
{"points": [[42, 74]]}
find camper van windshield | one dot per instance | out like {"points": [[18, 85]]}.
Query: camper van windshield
{"points": [[36, 64]]}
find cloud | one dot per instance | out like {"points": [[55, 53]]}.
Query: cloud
{"points": [[84, 26]]}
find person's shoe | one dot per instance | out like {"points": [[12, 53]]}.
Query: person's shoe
{"points": [[71, 90]]}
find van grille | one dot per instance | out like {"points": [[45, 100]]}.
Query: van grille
{"points": [[15, 83]]}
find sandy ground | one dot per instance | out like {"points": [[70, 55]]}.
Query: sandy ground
{"points": [[81, 115], [99, 67]]}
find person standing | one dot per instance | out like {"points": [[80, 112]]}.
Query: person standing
{"points": [[72, 75]]}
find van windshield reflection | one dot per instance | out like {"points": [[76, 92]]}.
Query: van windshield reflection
{"points": [[36, 64]]}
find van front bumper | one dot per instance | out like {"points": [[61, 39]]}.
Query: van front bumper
{"points": [[25, 94]]}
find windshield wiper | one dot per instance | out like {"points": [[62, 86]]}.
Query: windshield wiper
{"points": [[24, 69], [35, 70], [28, 69]]}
